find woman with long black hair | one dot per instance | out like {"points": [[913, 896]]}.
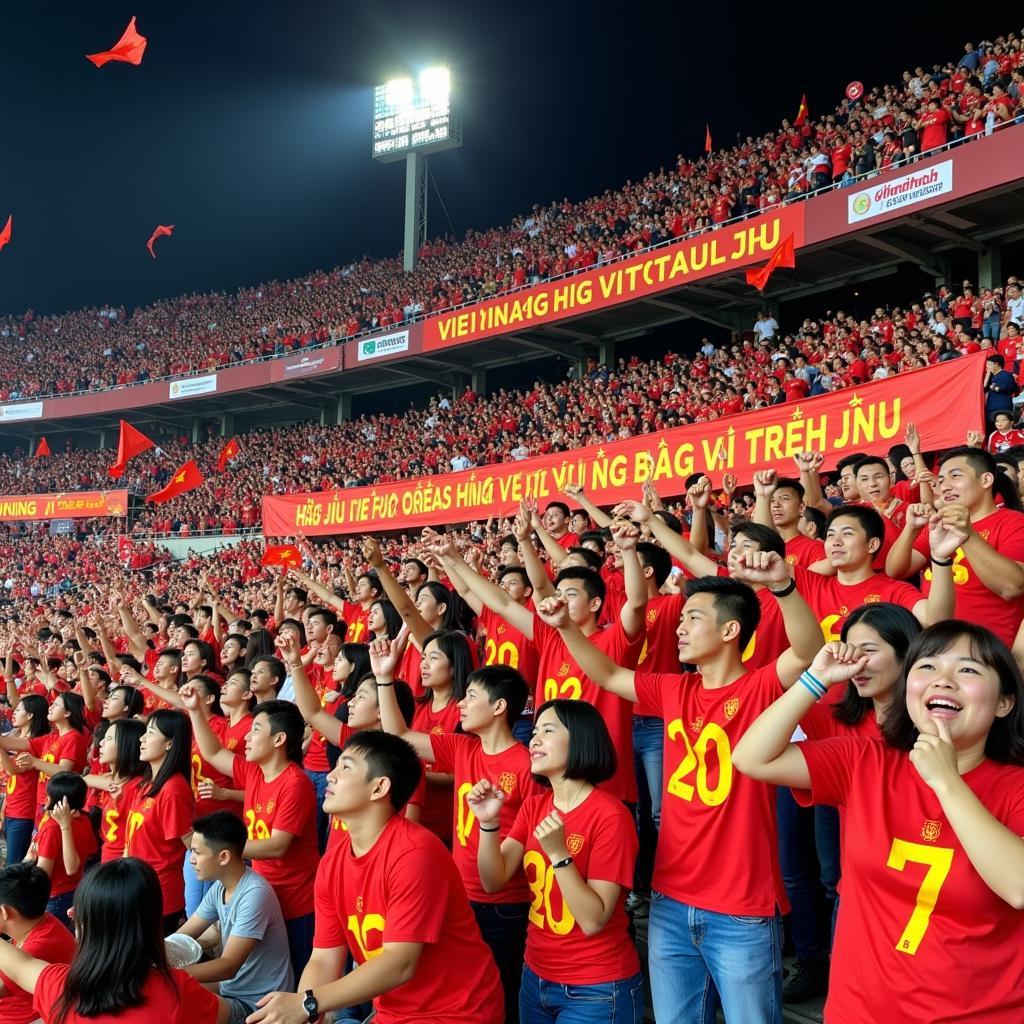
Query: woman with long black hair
{"points": [[119, 972], [160, 816], [119, 754], [22, 801]]}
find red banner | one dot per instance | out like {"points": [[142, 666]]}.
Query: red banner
{"points": [[944, 401], [714, 252], [68, 505]]}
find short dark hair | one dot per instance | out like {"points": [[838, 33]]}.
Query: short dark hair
{"points": [[68, 786], [591, 558], [373, 580], [560, 505], [298, 593], [816, 516], [284, 716], [977, 458], [850, 460], [275, 665], [869, 519], [1005, 741], [592, 537], [789, 483], [671, 521], [995, 357], [389, 757], [329, 616], [591, 756], [420, 565], [515, 570], [222, 830], [655, 558], [297, 625], [733, 602], [502, 682], [26, 887], [767, 538], [870, 460], [593, 585]]}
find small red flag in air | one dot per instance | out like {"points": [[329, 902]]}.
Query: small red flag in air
{"points": [[707, 138], [801, 114], [5, 235], [285, 555], [161, 230], [42, 449], [229, 451], [132, 442], [186, 478], [784, 256], [128, 49]]}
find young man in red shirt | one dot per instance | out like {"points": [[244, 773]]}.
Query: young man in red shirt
{"points": [[278, 809], [389, 893], [779, 503], [716, 871], [988, 562], [24, 891]]}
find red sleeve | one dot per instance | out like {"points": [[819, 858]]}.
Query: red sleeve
{"points": [[613, 849], [196, 1004], [330, 932], [177, 810], [49, 843], [416, 911], [445, 746], [297, 805], [49, 986], [240, 771], [523, 826], [650, 686], [830, 764]]}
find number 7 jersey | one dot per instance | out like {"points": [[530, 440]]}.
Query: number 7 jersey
{"points": [[920, 937], [717, 846]]}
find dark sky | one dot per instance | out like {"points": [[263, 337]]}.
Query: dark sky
{"points": [[247, 126]]}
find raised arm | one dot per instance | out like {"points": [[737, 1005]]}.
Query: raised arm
{"points": [[922, 474], [136, 639], [1003, 576], [943, 541], [809, 463], [139, 681], [525, 521], [679, 547], [419, 630], [765, 482], [325, 595], [206, 739], [576, 493], [306, 699], [497, 860], [383, 661], [903, 560], [633, 613]]}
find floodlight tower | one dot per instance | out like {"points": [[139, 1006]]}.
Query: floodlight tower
{"points": [[410, 120]]}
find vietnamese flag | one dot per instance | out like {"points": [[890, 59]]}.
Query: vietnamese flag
{"points": [[707, 138], [132, 442], [285, 555], [162, 231], [128, 49], [5, 235], [801, 114], [186, 478], [229, 451], [42, 450], [784, 256]]}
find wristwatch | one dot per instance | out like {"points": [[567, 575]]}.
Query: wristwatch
{"points": [[311, 1006]]}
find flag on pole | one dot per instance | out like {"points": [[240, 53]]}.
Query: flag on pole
{"points": [[801, 114], [132, 442], [285, 555], [707, 138], [128, 49], [42, 449], [229, 451], [784, 256], [186, 478]]}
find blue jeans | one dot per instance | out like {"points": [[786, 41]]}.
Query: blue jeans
{"points": [[319, 780], [18, 833], [700, 960], [194, 889], [300, 941], [799, 874], [648, 757], [503, 928], [614, 1002], [59, 907]]}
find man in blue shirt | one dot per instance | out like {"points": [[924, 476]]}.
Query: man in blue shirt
{"points": [[999, 387]]}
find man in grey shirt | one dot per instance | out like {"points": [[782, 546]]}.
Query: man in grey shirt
{"points": [[254, 958]]}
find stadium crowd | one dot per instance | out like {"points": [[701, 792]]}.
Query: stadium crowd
{"points": [[109, 347]]}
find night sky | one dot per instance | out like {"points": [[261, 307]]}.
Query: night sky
{"points": [[248, 125]]}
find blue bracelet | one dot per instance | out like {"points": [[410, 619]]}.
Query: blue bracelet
{"points": [[812, 685]]}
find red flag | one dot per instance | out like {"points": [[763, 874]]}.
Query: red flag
{"points": [[161, 230], [784, 256], [707, 138], [128, 49], [187, 478], [132, 442], [43, 449], [229, 451], [5, 235], [801, 114], [285, 555]]}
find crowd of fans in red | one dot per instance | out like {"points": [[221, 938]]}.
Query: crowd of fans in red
{"points": [[109, 347]]}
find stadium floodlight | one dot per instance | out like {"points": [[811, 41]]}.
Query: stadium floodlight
{"points": [[412, 118]]}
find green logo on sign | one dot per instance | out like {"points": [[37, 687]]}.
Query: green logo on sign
{"points": [[369, 347]]}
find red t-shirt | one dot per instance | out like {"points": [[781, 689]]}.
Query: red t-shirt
{"points": [[506, 645], [287, 803], [410, 668], [1004, 531], [49, 941], [49, 843], [602, 840], [316, 753], [660, 651], [53, 747], [919, 929], [832, 601], [561, 676], [22, 795], [112, 815], [186, 1003], [769, 639], [203, 771], [462, 755], [406, 888], [717, 844], [437, 805], [155, 827], [801, 550], [358, 623]]}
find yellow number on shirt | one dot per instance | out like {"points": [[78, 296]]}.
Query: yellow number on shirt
{"points": [[960, 573], [697, 757], [540, 877], [569, 688], [256, 827], [110, 818], [464, 813], [360, 931], [939, 860], [134, 821], [501, 654], [355, 631], [12, 781]]}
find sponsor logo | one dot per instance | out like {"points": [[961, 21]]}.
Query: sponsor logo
{"points": [[697, 724], [899, 193], [872, 598], [563, 669], [192, 386], [22, 411], [384, 345], [930, 830]]}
